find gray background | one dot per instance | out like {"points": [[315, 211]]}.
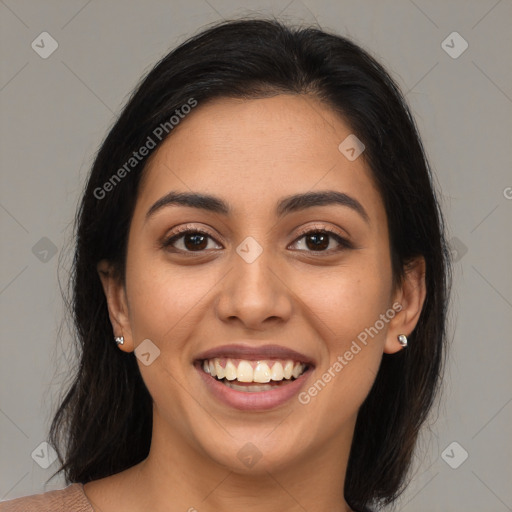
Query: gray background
{"points": [[56, 111]]}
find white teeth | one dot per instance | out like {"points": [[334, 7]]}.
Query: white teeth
{"points": [[288, 369], [250, 389], [261, 373], [277, 371], [297, 370], [230, 371], [219, 371], [245, 372]]}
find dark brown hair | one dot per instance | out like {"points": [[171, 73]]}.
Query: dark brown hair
{"points": [[103, 423]]}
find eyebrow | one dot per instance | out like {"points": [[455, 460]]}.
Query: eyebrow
{"points": [[285, 206]]}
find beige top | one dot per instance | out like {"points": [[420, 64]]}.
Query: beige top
{"points": [[70, 499]]}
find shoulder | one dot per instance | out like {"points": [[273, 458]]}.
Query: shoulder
{"points": [[70, 499]]}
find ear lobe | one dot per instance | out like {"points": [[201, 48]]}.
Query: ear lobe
{"points": [[411, 296], [117, 304]]}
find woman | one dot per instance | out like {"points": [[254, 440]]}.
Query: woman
{"points": [[260, 286]]}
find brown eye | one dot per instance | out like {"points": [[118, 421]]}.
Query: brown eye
{"points": [[319, 240], [189, 240], [194, 240]]}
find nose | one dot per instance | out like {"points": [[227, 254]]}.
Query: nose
{"points": [[254, 294]]}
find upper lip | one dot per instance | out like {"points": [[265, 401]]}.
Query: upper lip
{"points": [[243, 351]]}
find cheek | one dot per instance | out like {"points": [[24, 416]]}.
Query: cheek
{"points": [[170, 310], [350, 305], [166, 302], [166, 305], [345, 309], [347, 300]]}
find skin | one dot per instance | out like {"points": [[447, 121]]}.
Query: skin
{"points": [[251, 153]]}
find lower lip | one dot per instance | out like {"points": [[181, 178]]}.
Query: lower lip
{"points": [[253, 400]]}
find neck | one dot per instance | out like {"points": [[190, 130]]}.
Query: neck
{"points": [[176, 476]]}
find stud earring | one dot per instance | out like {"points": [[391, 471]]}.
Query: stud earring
{"points": [[402, 339], [119, 340]]}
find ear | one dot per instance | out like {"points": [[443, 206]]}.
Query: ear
{"points": [[115, 294], [410, 296]]}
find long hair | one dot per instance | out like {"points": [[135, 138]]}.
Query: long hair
{"points": [[103, 423]]}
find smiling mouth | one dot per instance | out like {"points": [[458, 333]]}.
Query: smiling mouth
{"points": [[253, 376]]}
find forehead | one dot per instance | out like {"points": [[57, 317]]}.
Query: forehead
{"points": [[252, 152]]}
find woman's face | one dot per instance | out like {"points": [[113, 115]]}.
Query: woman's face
{"points": [[252, 281]]}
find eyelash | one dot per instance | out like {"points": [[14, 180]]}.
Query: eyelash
{"points": [[180, 233]]}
